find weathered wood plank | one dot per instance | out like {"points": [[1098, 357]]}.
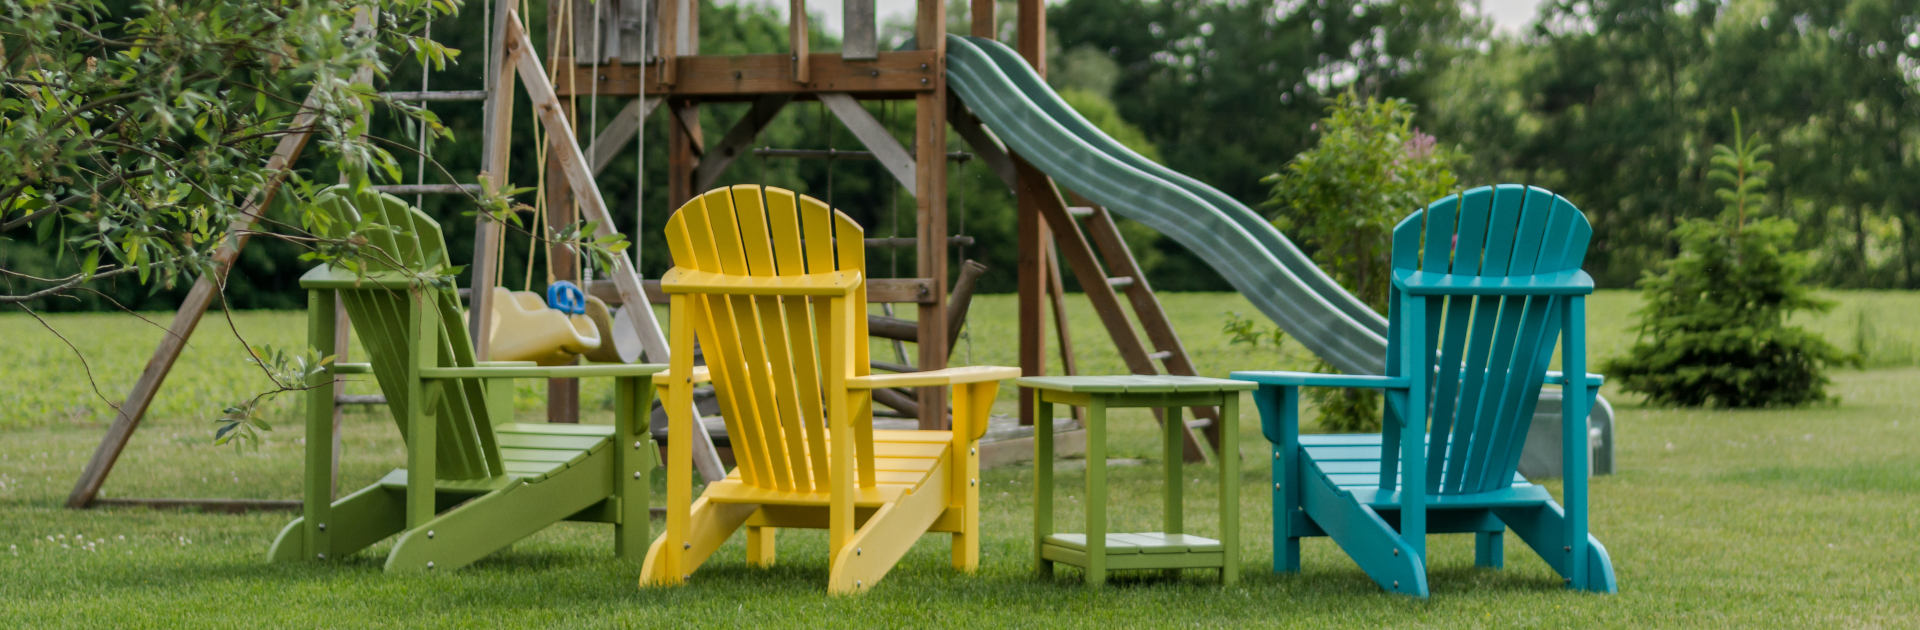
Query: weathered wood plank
{"points": [[739, 76], [886, 149], [620, 131], [859, 39]]}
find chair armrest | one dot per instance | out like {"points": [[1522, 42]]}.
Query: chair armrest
{"points": [[539, 371], [830, 284], [1593, 380], [350, 368], [1573, 282], [1310, 379], [948, 376], [700, 375]]}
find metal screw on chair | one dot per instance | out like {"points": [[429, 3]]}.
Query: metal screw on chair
{"points": [[320, 556], [1276, 486], [856, 583], [1396, 552], [856, 551], [636, 444], [686, 545], [636, 474], [972, 481], [1276, 454], [323, 527], [429, 564], [1567, 548], [1396, 583], [429, 534], [973, 451]]}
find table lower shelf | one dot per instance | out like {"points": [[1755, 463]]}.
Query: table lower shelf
{"points": [[1145, 550]]}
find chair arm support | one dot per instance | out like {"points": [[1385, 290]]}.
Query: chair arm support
{"points": [[538, 371], [1310, 379], [934, 378], [1593, 380], [700, 375], [1572, 282]]}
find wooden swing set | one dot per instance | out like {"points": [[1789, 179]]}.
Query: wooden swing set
{"points": [[627, 54]]}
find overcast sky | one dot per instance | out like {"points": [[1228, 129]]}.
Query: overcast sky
{"points": [[1508, 15]]}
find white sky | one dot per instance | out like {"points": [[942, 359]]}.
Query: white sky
{"points": [[1508, 15]]}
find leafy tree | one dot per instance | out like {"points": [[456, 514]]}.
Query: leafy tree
{"points": [[1714, 331], [1340, 201]]}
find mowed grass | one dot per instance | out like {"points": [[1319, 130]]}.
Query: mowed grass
{"points": [[1776, 518]]}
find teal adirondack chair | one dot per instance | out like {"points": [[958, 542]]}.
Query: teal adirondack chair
{"points": [[475, 481], [1483, 283]]}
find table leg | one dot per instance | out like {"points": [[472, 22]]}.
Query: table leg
{"points": [[1097, 491], [1172, 453], [1230, 487], [1042, 481]]}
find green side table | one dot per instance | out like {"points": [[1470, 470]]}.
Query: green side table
{"points": [[1096, 550]]}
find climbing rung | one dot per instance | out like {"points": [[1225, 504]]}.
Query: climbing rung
{"points": [[1120, 282], [429, 189], [438, 96], [1161, 355], [1079, 211], [1200, 423], [359, 399]]}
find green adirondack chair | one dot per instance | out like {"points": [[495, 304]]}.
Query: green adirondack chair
{"points": [[475, 481], [1483, 282]]}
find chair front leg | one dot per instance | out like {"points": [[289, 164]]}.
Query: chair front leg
{"points": [[1279, 408]]}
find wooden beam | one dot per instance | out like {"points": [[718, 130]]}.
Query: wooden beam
{"points": [[620, 131], [1031, 192], [880, 141], [735, 143], [859, 39], [127, 417], [930, 196], [631, 26], [1033, 34], [495, 140], [797, 37], [981, 14], [985, 146], [594, 208], [667, 50], [712, 77]]}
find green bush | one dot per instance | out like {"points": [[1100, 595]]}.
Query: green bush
{"points": [[1713, 331], [1340, 201]]}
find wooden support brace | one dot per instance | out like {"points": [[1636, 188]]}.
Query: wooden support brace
{"points": [[621, 130], [875, 136], [199, 298], [566, 152], [985, 146], [735, 143]]}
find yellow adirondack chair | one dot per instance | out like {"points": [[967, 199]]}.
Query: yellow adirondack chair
{"points": [[773, 286]]}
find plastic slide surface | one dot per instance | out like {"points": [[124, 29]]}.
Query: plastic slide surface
{"points": [[1260, 262]]}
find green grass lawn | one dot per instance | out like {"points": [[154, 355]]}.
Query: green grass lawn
{"points": [[1774, 518]]}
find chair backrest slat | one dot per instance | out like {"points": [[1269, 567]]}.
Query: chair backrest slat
{"points": [[764, 352], [406, 240], [1492, 352]]}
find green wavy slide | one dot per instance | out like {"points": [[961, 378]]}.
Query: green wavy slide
{"points": [[1260, 262]]}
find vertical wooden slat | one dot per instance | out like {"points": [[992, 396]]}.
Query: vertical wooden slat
{"points": [[797, 39], [1502, 382], [851, 242], [632, 27], [763, 338], [860, 40], [980, 13], [729, 319], [1467, 239]]}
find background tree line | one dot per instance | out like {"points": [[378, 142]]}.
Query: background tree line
{"points": [[1613, 103]]}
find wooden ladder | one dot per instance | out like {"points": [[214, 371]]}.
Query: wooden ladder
{"points": [[1072, 226]]}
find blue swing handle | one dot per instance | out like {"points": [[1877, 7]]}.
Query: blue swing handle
{"points": [[565, 297]]}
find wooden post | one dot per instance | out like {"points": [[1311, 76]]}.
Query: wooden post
{"points": [[797, 38], [981, 14], [930, 177], [1034, 236], [188, 317], [563, 394], [498, 113], [683, 128], [860, 40]]}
